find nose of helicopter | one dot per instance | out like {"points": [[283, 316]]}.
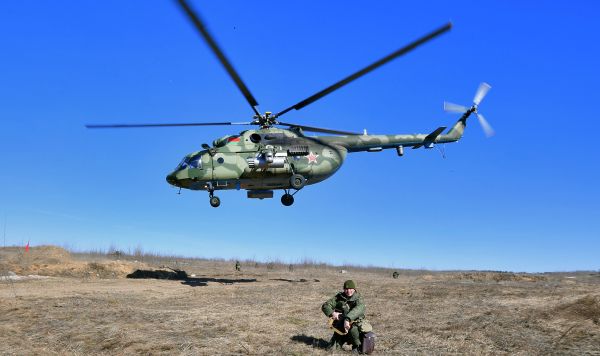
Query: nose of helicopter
{"points": [[172, 179]]}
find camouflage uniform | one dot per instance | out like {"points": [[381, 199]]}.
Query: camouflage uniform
{"points": [[353, 309]]}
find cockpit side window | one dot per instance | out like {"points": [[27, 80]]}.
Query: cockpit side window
{"points": [[195, 162]]}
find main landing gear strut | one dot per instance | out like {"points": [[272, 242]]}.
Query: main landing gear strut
{"points": [[213, 199], [297, 182]]}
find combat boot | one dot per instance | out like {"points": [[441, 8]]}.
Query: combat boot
{"points": [[356, 350], [333, 345]]}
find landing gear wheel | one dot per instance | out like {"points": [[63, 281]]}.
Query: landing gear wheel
{"points": [[287, 199], [297, 181], [215, 202]]}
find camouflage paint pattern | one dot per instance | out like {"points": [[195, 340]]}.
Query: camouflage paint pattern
{"points": [[226, 166]]}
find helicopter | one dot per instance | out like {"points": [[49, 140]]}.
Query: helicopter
{"points": [[273, 158]]}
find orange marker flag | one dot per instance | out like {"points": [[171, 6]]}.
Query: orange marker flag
{"points": [[27, 247]]}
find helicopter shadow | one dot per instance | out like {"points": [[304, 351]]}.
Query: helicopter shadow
{"points": [[203, 281], [179, 275], [310, 341], [301, 280]]}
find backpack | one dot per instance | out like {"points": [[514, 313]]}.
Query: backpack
{"points": [[367, 343]]}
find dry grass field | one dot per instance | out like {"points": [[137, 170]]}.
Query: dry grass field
{"points": [[87, 306]]}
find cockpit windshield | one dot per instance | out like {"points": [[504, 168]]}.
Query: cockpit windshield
{"points": [[190, 162]]}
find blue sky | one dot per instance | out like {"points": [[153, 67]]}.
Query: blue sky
{"points": [[524, 200]]}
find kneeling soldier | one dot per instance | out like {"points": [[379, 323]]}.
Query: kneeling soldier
{"points": [[347, 307]]}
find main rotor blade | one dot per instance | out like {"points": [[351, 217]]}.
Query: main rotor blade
{"points": [[217, 51], [319, 129], [127, 126], [451, 107], [481, 92], [487, 128], [367, 69]]}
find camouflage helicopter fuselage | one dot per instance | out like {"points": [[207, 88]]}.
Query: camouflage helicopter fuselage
{"points": [[265, 159], [270, 158]]}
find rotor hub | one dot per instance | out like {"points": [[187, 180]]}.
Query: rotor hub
{"points": [[266, 120]]}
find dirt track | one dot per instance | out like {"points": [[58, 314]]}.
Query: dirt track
{"points": [[277, 311]]}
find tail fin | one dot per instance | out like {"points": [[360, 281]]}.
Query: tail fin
{"points": [[458, 129]]}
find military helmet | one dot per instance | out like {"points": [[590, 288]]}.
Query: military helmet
{"points": [[349, 284]]}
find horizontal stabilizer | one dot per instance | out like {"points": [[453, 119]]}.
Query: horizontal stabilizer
{"points": [[430, 139], [432, 136]]}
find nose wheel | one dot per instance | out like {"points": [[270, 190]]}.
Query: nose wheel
{"points": [[213, 200]]}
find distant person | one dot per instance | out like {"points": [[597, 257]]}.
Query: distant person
{"points": [[347, 311], [238, 266]]}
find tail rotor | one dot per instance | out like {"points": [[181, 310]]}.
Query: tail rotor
{"points": [[479, 95]]}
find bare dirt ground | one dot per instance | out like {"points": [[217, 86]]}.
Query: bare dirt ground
{"points": [[87, 306]]}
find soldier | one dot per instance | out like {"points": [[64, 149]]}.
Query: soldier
{"points": [[238, 266], [346, 306]]}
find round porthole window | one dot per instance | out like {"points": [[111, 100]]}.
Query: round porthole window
{"points": [[220, 160]]}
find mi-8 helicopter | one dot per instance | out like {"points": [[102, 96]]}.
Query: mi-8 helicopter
{"points": [[270, 158]]}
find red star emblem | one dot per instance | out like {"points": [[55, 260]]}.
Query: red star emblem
{"points": [[312, 158]]}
